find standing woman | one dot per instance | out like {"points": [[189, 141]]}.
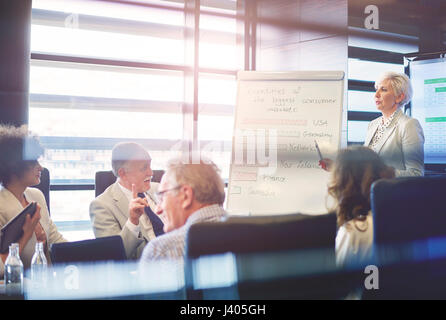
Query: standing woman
{"points": [[397, 138], [20, 169]]}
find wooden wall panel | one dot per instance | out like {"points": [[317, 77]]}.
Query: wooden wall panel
{"points": [[15, 26], [311, 35]]}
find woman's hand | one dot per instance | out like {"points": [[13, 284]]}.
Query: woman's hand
{"points": [[4, 256], [326, 164], [29, 225], [40, 234], [28, 229]]}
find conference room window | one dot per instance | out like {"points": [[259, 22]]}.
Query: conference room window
{"points": [[218, 62], [371, 53], [102, 72]]}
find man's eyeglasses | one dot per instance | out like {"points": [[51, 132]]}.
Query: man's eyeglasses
{"points": [[160, 194]]}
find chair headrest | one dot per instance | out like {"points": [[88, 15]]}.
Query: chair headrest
{"points": [[408, 209], [100, 249], [261, 234], [44, 186]]}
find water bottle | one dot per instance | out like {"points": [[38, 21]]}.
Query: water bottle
{"points": [[14, 272], [39, 268]]}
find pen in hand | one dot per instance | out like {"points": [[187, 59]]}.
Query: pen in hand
{"points": [[324, 163], [318, 150]]}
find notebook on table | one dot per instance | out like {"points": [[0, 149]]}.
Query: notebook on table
{"points": [[13, 230]]}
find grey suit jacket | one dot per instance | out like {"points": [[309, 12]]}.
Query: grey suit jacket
{"points": [[401, 146], [109, 214]]}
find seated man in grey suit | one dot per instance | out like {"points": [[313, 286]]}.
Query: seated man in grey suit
{"points": [[188, 194], [126, 208]]}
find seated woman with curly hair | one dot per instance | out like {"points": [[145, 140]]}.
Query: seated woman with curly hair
{"points": [[20, 169], [355, 169]]}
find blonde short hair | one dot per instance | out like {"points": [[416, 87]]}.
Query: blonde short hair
{"points": [[400, 83], [204, 178]]}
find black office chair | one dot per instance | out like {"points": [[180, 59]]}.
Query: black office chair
{"points": [[258, 234], [44, 186], [101, 249], [103, 179], [408, 209], [261, 234], [409, 217]]}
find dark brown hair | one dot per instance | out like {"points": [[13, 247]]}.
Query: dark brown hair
{"points": [[355, 169], [19, 150]]}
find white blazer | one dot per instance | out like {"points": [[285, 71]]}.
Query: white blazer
{"points": [[401, 146], [354, 241], [10, 206]]}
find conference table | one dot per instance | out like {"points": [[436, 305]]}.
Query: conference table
{"points": [[415, 270], [223, 276]]}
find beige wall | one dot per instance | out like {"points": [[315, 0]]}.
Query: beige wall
{"points": [[313, 36]]}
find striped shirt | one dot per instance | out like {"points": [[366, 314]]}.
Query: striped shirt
{"points": [[171, 245]]}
